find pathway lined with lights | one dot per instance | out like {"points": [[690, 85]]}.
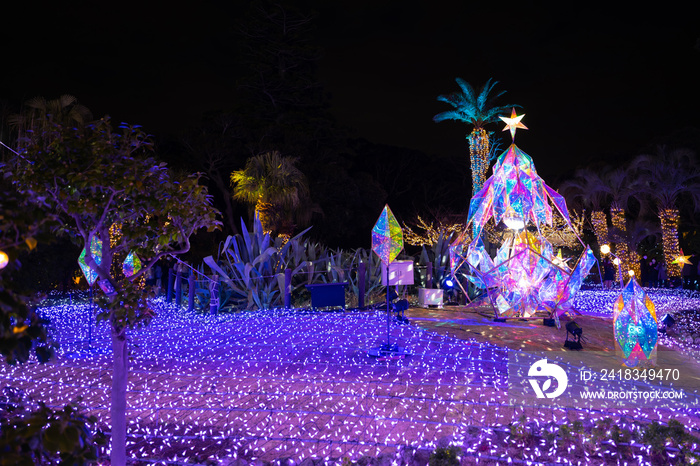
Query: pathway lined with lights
{"points": [[283, 384]]}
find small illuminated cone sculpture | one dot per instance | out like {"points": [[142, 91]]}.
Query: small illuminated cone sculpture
{"points": [[96, 252], [387, 243], [132, 264], [91, 275], [635, 326]]}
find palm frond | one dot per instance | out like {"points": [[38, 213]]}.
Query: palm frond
{"points": [[452, 115], [473, 108], [467, 90]]}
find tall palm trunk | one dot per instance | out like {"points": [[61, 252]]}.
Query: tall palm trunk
{"points": [[600, 226], [634, 263], [266, 213], [617, 216], [669, 236], [479, 150]]}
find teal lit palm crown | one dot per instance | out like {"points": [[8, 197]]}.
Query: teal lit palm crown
{"points": [[477, 109]]}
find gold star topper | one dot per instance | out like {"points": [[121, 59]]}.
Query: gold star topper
{"points": [[681, 259], [513, 123]]}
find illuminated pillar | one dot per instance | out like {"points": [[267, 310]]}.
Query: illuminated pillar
{"points": [[264, 211], [669, 235], [600, 226], [479, 149], [618, 220]]}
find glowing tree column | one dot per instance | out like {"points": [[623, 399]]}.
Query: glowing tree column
{"points": [[669, 231], [635, 326], [622, 251], [479, 148], [600, 226]]}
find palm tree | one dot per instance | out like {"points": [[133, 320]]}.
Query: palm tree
{"points": [[275, 186], [668, 177], [39, 113], [476, 109], [621, 189], [589, 190], [638, 231]]}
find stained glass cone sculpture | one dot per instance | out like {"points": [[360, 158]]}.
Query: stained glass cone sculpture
{"points": [[525, 276], [635, 326], [387, 238], [96, 252], [387, 243]]}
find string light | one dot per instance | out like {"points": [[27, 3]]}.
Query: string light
{"points": [[4, 260], [669, 236], [600, 226], [622, 250], [274, 384], [479, 149], [560, 235], [634, 263], [431, 232], [264, 211]]}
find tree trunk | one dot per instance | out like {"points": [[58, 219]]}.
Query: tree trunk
{"points": [[118, 409], [623, 252], [265, 212], [229, 218], [600, 226], [669, 236], [479, 151]]}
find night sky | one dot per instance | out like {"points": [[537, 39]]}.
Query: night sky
{"points": [[595, 84]]}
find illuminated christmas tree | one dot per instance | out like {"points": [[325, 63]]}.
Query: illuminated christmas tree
{"points": [[526, 275]]}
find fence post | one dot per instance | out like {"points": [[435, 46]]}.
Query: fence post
{"points": [[191, 286], [287, 288], [361, 274], [169, 294], [214, 295], [429, 276], [178, 286]]}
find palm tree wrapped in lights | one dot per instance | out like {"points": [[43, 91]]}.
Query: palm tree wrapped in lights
{"points": [[621, 190], [587, 190], [477, 109], [668, 177], [276, 188]]}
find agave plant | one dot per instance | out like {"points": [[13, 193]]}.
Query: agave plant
{"points": [[373, 277], [251, 270], [439, 255], [251, 267]]}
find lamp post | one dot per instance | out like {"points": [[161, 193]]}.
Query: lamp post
{"points": [[605, 249]]}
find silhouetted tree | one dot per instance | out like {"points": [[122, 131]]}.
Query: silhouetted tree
{"points": [[38, 113]]}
